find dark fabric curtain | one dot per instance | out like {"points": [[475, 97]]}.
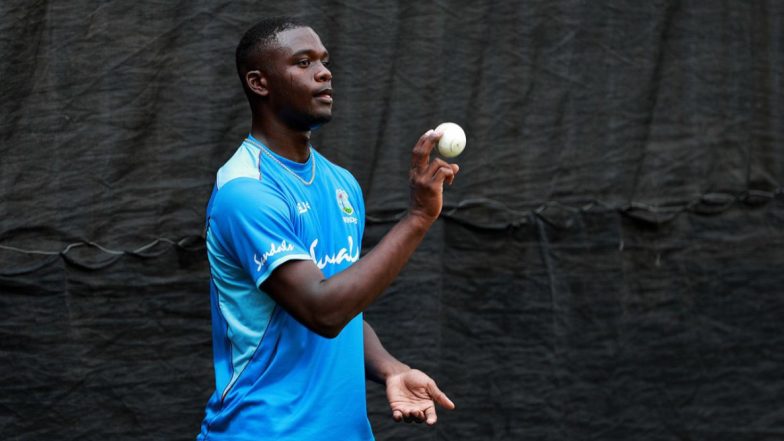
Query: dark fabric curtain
{"points": [[608, 265]]}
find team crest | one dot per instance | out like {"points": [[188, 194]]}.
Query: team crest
{"points": [[343, 203]]}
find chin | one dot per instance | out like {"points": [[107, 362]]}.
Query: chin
{"points": [[320, 121], [303, 121]]}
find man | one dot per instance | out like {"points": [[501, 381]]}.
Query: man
{"points": [[284, 231]]}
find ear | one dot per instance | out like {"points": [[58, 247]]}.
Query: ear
{"points": [[257, 82]]}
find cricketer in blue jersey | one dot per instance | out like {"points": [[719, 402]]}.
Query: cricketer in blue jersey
{"points": [[284, 230]]}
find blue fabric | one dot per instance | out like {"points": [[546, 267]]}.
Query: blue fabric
{"points": [[275, 379]]}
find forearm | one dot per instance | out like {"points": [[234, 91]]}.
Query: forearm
{"points": [[326, 305], [348, 293], [379, 364], [355, 288]]}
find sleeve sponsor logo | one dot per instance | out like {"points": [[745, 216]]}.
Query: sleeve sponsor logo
{"points": [[274, 249], [349, 254]]}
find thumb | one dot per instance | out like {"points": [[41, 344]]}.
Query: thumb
{"points": [[439, 397]]}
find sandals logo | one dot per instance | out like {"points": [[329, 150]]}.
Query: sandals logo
{"points": [[343, 203], [274, 249]]}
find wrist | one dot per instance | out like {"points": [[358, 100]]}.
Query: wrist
{"points": [[419, 220], [392, 369]]}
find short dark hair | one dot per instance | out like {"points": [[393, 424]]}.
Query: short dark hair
{"points": [[259, 37]]}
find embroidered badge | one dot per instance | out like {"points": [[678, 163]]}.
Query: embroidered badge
{"points": [[343, 203]]}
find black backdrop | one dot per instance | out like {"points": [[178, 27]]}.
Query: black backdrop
{"points": [[608, 265]]}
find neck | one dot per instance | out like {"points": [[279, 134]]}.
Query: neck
{"points": [[287, 142]]}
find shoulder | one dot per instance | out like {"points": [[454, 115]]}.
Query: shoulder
{"points": [[241, 188], [239, 182], [339, 172], [248, 197], [243, 164]]}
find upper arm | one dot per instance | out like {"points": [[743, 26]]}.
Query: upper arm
{"points": [[297, 287], [255, 228]]}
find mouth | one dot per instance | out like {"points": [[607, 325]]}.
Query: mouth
{"points": [[324, 95]]}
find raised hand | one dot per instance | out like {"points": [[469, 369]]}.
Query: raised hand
{"points": [[427, 178]]}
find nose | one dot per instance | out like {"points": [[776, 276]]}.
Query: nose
{"points": [[323, 74]]}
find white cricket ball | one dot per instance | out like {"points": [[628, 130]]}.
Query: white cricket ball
{"points": [[453, 141]]}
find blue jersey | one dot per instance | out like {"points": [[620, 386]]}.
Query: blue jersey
{"points": [[274, 378]]}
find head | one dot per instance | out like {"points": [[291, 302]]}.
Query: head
{"points": [[283, 68]]}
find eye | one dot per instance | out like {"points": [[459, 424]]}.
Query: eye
{"points": [[326, 63], [303, 63]]}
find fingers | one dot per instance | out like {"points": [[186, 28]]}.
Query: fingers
{"points": [[421, 154], [443, 171], [455, 169], [427, 178], [409, 416], [414, 417], [430, 416]]}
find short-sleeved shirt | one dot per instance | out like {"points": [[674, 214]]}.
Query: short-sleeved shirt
{"points": [[275, 379]]}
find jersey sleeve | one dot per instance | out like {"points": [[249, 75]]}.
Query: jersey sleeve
{"points": [[255, 227], [360, 205]]}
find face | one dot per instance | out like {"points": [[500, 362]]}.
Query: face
{"points": [[299, 84]]}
